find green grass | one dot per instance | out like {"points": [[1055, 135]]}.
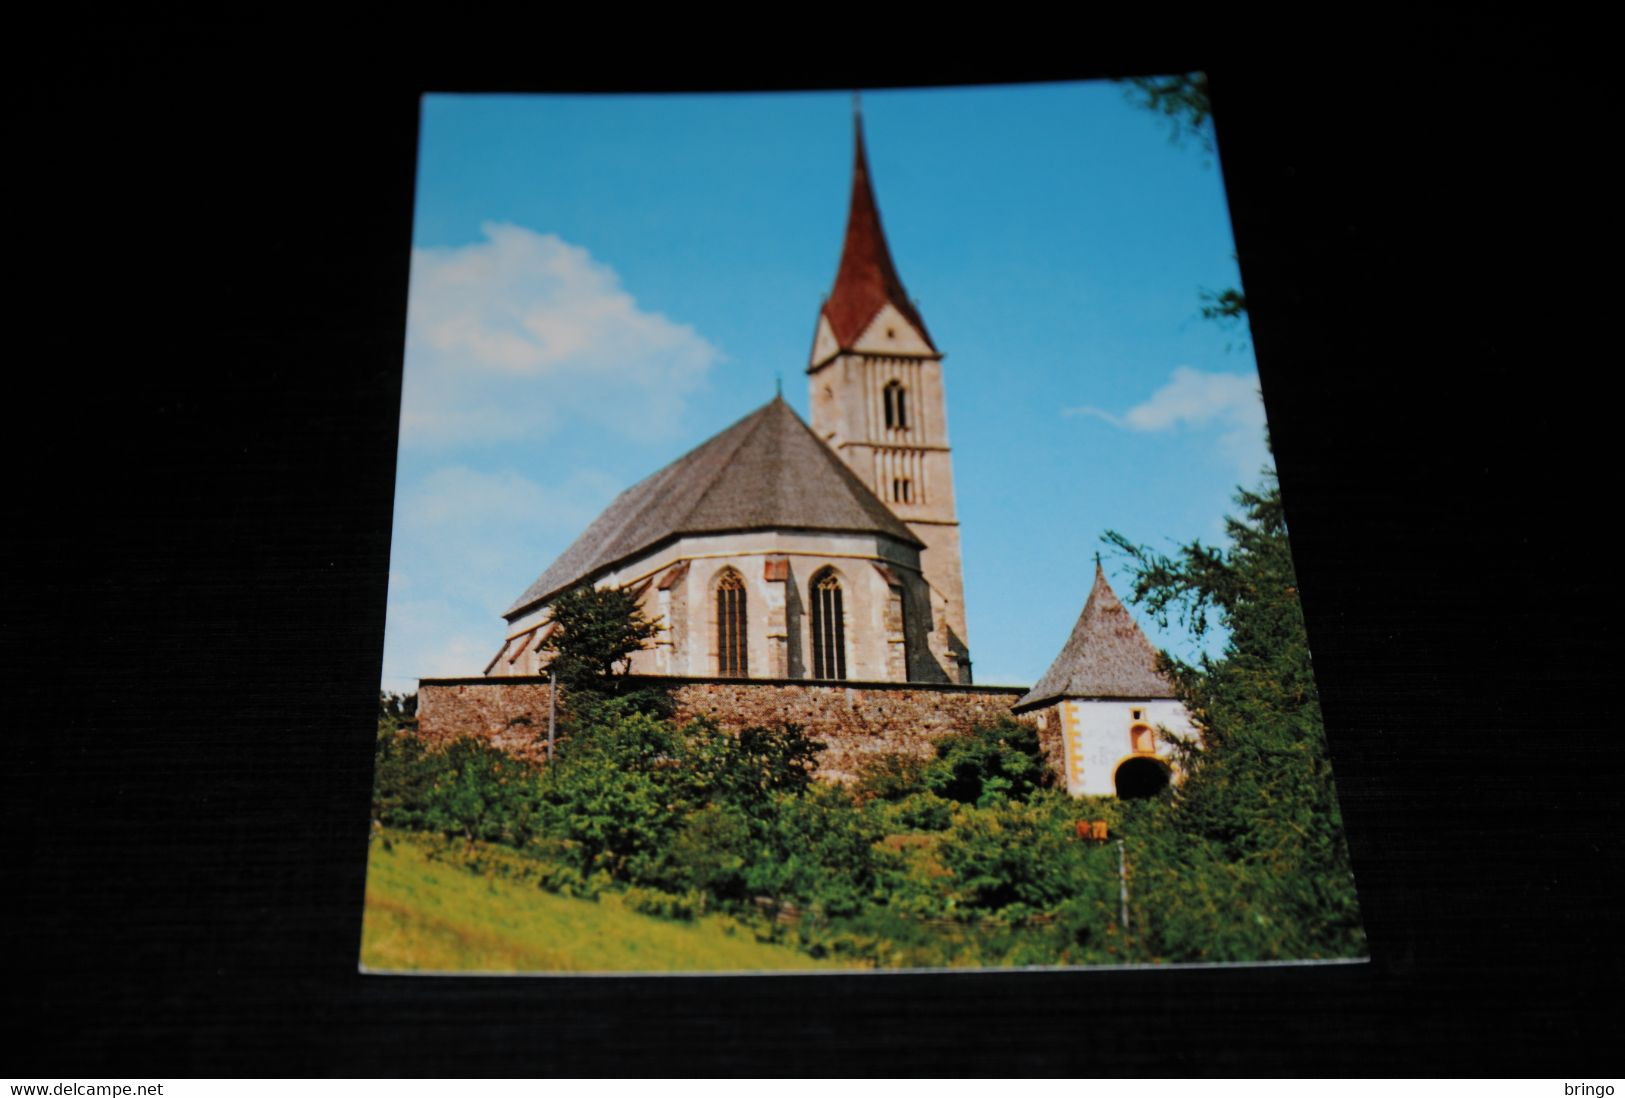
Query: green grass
{"points": [[434, 914]]}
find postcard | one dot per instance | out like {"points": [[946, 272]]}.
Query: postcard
{"points": [[837, 532]]}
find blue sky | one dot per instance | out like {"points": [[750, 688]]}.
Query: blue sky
{"points": [[600, 283]]}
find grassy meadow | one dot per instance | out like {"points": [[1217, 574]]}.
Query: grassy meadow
{"points": [[431, 909]]}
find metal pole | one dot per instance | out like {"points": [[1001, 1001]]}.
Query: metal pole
{"points": [[1122, 883], [552, 709]]}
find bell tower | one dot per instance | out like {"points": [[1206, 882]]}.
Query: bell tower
{"points": [[875, 380]]}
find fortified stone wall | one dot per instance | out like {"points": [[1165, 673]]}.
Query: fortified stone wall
{"points": [[855, 721], [508, 713]]}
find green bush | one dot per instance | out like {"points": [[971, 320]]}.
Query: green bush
{"points": [[710, 853], [597, 631], [614, 794], [402, 780], [925, 812], [815, 850], [665, 905], [1016, 853], [479, 793], [762, 762], [566, 880], [467, 790], [988, 764], [890, 777]]}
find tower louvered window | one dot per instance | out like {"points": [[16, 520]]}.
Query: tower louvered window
{"points": [[731, 626], [828, 628], [896, 406]]}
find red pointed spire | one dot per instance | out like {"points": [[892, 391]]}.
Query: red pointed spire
{"points": [[866, 279]]}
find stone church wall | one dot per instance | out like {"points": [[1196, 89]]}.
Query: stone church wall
{"points": [[855, 721]]}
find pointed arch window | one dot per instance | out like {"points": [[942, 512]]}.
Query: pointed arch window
{"points": [[732, 630], [896, 406], [828, 627]]}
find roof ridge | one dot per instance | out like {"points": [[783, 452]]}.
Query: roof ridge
{"points": [[760, 417]]}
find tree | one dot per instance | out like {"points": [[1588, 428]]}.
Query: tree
{"points": [[1249, 860], [401, 784], [479, 793], [597, 631], [1182, 99], [761, 762], [397, 710], [988, 764]]}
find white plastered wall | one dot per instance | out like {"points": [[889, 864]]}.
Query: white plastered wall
{"points": [[1098, 737], [865, 595]]}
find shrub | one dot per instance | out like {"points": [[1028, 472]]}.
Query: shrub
{"points": [[711, 852], [565, 880], [815, 850], [1016, 853], [925, 812], [988, 764], [612, 796], [766, 761], [402, 780], [890, 777], [665, 905], [479, 793]]}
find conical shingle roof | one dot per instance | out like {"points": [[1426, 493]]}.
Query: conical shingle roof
{"points": [[1107, 656], [866, 279], [768, 471]]}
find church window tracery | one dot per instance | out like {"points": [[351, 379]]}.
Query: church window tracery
{"points": [[828, 627], [732, 629], [896, 406]]}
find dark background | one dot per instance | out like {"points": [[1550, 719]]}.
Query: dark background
{"points": [[214, 232]]}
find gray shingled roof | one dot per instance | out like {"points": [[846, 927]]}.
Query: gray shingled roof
{"points": [[767, 471], [1105, 657]]}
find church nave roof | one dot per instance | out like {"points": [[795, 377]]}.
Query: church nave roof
{"points": [[768, 471]]}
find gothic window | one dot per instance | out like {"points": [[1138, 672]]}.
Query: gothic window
{"points": [[896, 406], [828, 627], [902, 490], [731, 630]]}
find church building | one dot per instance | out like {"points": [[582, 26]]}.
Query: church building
{"points": [[779, 550]]}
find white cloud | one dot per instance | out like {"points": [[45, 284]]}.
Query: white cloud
{"points": [[1227, 403], [513, 335]]}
